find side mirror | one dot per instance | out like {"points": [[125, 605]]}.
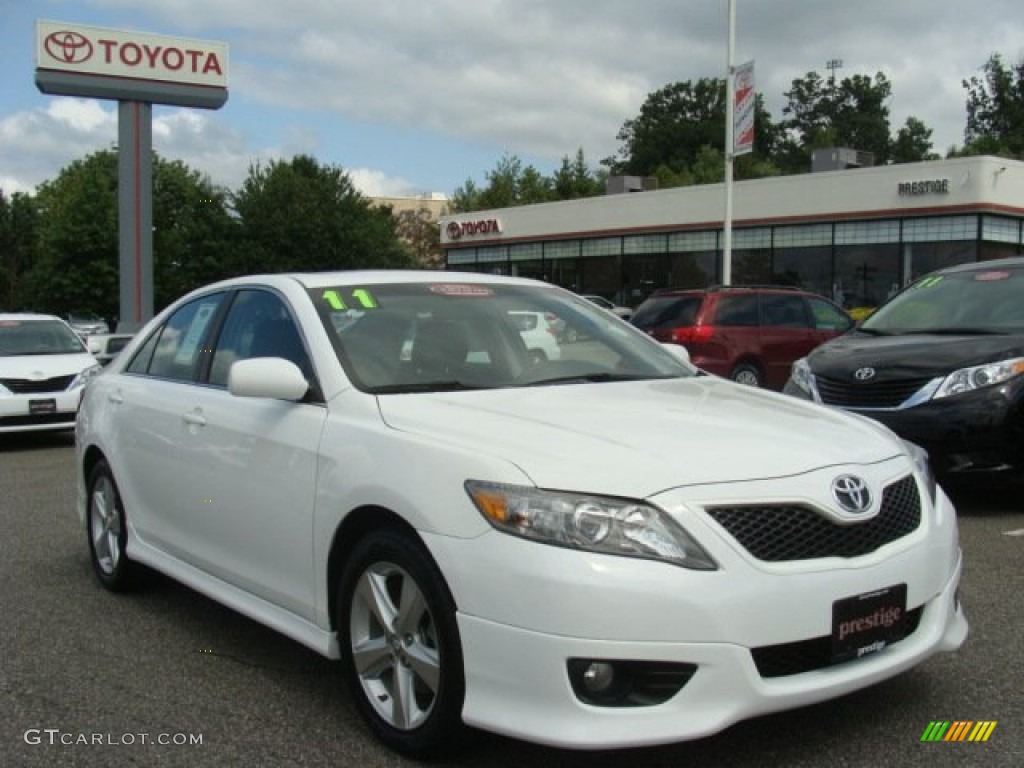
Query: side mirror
{"points": [[272, 377], [678, 351]]}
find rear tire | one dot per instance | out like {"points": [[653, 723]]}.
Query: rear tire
{"points": [[748, 374], [107, 531], [400, 644]]}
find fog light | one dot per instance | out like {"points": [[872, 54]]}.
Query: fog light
{"points": [[627, 683], [598, 677]]}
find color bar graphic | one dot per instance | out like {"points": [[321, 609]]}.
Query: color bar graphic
{"points": [[958, 730]]}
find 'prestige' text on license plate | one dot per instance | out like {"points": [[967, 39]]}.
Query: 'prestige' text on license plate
{"points": [[867, 623]]}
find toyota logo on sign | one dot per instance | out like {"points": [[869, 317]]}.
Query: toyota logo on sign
{"points": [[454, 230], [852, 493], [69, 47], [864, 374]]}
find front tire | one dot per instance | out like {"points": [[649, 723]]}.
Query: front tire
{"points": [[400, 644], [108, 531]]}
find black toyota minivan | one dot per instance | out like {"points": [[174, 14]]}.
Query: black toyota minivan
{"points": [[941, 364]]}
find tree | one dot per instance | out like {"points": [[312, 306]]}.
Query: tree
{"points": [[850, 113], [995, 110], [420, 233], [77, 262], [195, 241], [679, 125], [299, 215], [913, 143], [511, 183], [76, 267], [574, 180], [18, 221]]}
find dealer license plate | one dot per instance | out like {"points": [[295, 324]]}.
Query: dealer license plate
{"points": [[37, 407], [867, 623]]}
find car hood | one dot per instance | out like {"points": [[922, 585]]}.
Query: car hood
{"points": [[910, 356], [639, 438], [40, 367]]}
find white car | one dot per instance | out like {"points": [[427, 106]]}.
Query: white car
{"points": [[604, 550], [106, 346], [540, 333], [43, 367], [624, 312]]}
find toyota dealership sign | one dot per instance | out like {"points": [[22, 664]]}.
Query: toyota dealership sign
{"points": [[80, 60], [138, 70]]}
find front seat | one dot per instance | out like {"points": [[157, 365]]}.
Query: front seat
{"points": [[439, 350]]}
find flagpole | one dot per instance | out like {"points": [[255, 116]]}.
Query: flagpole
{"points": [[729, 147]]}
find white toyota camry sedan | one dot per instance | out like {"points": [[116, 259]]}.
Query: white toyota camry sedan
{"points": [[600, 549]]}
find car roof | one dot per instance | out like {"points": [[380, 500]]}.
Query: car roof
{"points": [[1013, 262], [8, 316], [311, 280]]}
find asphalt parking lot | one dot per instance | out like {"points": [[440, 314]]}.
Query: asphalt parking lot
{"points": [[167, 677]]}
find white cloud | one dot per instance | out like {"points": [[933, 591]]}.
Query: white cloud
{"points": [[533, 78]]}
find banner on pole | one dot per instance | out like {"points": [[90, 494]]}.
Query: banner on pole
{"points": [[743, 125]]}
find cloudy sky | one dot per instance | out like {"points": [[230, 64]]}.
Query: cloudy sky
{"points": [[414, 97]]}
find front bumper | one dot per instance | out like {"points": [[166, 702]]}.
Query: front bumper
{"points": [[523, 621], [979, 432], [16, 411]]}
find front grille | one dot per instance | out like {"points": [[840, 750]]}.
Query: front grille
{"points": [[29, 387], [780, 533], [855, 394], [808, 655]]}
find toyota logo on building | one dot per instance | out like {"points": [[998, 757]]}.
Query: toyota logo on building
{"points": [[69, 47], [852, 494], [864, 374], [454, 230]]}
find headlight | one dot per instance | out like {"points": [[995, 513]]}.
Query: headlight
{"points": [[923, 466], [802, 377], [83, 378], [969, 379], [591, 523]]}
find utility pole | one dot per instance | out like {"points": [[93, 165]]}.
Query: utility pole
{"points": [[832, 65]]}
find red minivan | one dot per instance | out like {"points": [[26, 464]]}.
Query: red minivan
{"points": [[750, 334]]}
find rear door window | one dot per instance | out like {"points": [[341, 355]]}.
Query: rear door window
{"points": [[739, 311]]}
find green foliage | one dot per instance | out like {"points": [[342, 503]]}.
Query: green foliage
{"points": [[76, 265], [19, 217], [995, 110], [511, 184], [679, 137], [850, 113], [300, 216]]}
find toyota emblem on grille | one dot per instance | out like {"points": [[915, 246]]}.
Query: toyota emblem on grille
{"points": [[852, 494], [863, 374]]}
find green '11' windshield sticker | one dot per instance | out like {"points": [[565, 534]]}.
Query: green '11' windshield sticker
{"points": [[361, 295], [930, 282]]}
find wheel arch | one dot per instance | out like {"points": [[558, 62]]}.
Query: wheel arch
{"points": [[356, 525]]}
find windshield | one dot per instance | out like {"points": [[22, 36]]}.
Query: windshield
{"points": [[980, 301], [421, 337], [37, 337]]}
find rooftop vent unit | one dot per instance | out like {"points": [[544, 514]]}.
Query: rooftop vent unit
{"points": [[839, 159]]}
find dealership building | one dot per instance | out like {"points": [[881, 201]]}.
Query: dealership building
{"points": [[856, 235]]}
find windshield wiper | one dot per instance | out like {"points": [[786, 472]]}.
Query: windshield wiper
{"points": [[425, 386], [873, 332], [589, 378]]}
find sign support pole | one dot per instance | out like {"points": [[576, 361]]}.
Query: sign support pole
{"points": [[135, 213], [729, 148]]}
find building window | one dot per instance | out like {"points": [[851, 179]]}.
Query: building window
{"points": [[940, 228], [866, 275], [1000, 230], [863, 232], [802, 236], [637, 244], [562, 249], [602, 246], [686, 242]]}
